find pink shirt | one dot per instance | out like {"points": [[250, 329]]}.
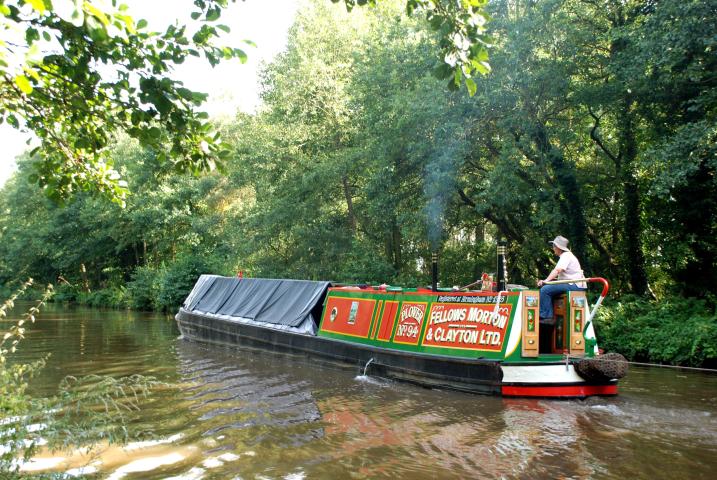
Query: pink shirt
{"points": [[571, 268]]}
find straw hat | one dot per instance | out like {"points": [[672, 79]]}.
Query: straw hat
{"points": [[560, 242]]}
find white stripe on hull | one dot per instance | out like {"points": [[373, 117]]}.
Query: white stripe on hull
{"points": [[540, 374]]}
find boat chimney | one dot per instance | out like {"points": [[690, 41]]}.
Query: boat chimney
{"points": [[502, 271], [434, 271]]}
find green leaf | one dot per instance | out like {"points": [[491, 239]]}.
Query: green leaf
{"points": [[472, 87], [31, 34], [199, 96], [479, 54], [442, 71], [241, 55], [81, 143], [38, 5], [141, 24], [23, 84], [436, 22], [162, 104], [185, 93], [482, 67], [196, 15], [154, 133], [214, 14], [96, 12]]}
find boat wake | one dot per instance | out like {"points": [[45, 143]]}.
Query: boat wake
{"points": [[371, 380]]}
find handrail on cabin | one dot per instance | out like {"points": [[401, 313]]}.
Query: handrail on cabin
{"points": [[605, 284], [603, 294]]}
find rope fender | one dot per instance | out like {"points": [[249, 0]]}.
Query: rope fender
{"points": [[608, 366]]}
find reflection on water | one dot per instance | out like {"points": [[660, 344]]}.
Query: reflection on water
{"points": [[246, 414]]}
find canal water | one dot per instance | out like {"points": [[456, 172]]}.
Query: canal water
{"points": [[243, 414]]}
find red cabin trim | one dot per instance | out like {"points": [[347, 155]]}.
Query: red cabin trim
{"points": [[424, 292]]}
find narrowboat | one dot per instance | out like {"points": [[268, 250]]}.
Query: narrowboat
{"points": [[484, 341]]}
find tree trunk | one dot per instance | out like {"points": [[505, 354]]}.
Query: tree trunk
{"points": [[632, 209], [397, 254], [568, 184], [85, 280], [349, 204], [393, 240]]}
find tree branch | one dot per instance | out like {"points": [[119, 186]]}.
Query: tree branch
{"points": [[598, 142]]}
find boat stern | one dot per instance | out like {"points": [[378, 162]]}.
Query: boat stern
{"points": [[551, 380]]}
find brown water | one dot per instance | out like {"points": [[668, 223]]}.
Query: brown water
{"points": [[239, 414]]}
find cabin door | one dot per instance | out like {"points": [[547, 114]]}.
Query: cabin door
{"points": [[578, 310], [531, 323]]}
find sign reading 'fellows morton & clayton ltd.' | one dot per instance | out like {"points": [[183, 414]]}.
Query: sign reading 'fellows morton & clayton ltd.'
{"points": [[473, 327]]}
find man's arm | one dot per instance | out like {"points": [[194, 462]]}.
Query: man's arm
{"points": [[559, 268]]}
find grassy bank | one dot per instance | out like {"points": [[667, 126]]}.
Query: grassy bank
{"points": [[673, 330], [161, 288]]}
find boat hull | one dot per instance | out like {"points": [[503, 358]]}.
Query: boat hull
{"points": [[477, 375]]}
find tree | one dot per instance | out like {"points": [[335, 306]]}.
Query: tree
{"points": [[677, 98], [463, 41], [522, 170], [54, 58], [74, 74], [357, 143]]}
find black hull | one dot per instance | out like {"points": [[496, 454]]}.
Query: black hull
{"points": [[471, 375]]}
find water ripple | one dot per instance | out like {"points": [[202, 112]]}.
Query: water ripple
{"points": [[229, 413]]}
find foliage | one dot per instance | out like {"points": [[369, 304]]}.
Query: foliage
{"points": [[674, 331], [461, 27], [111, 296], [177, 279], [143, 288], [65, 293], [53, 62], [54, 82], [596, 122], [83, 412]]}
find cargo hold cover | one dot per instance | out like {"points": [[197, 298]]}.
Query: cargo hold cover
{"points": [[274, 303]]}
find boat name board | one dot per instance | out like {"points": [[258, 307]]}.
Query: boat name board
{"points": [[410, 322], [478, 327]]}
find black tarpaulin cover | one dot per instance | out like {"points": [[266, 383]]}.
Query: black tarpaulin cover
{"points": [[278, 302]]}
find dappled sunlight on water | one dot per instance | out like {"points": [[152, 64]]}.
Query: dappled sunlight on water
{"points": [[246, 414]]}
